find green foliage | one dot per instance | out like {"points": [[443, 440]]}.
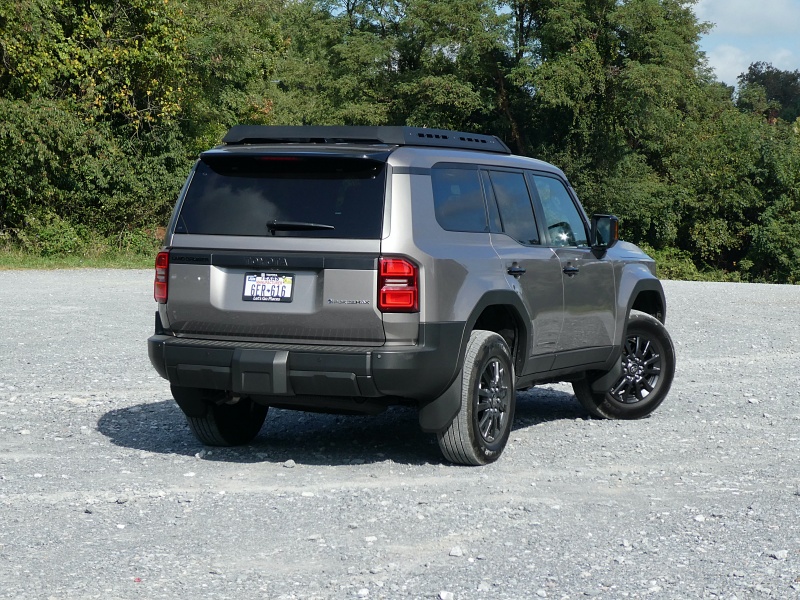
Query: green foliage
{"points": [[336, 67], [55, 166], [672, 263], [771, 92], [105, 103], [47, 234], [774, 253], [233, 48], [114, 61]]}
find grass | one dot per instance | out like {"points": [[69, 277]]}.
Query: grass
{"points": [[16, 259]]}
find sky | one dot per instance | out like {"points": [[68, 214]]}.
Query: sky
{"points": [[748, 31]]}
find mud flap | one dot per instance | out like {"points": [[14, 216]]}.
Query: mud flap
{"points": [[602, 384], [436, 415]]}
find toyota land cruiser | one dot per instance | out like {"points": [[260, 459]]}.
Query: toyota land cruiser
{"points": [[347, 269]]}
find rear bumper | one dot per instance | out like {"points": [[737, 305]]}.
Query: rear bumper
{"points": [[421, 372]]}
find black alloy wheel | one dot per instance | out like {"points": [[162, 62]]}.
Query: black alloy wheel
{"points": [[648, 367], [492, 401]]}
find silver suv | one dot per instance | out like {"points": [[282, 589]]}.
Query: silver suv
{"points": [[346, 269]]}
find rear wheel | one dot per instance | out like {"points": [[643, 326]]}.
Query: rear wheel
{"points": [[480, 430], [216, 422], [648, 366]]}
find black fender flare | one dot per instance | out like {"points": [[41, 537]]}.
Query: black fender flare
{"points": [[520, 315], [437, 414]]}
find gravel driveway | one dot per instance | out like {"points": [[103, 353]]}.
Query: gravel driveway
{"points": [[104, 492]]}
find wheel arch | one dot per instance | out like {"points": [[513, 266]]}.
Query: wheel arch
{"points": [[649, 301], [503, 313], [639, 289]]}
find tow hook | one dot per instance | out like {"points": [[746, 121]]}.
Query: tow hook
{"points": [[230, 399]]}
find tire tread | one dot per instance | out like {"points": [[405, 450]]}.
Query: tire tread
{"points": [[455, 442]]}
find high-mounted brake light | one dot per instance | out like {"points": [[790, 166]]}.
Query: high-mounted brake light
{"points": [[398, 285], [162, 274], [279, 158]]}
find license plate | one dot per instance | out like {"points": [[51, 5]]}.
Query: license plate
{"points": [[268, 287]]}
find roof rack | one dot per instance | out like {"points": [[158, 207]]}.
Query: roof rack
{"points": [[335, 134]]}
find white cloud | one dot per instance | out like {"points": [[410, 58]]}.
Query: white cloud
{"points": [[751, 18], [748, 31], [728, 62], [785, 60]]}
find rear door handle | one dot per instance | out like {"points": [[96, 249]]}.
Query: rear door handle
{"points": [[570, 270], [516, 270]]}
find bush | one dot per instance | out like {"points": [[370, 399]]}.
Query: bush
{"points": [[47, 234], [673, 263], [61, 175]]}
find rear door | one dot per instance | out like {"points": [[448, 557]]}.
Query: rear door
{"points": [[279, 247]]}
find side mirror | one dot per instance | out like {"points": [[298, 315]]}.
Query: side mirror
{"points": [[605, 232]]}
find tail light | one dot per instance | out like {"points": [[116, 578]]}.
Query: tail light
{"points": [[160, 285], [398, 285]]}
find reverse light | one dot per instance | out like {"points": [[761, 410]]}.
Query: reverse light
{"points": [[398, 285], [162, 273]]}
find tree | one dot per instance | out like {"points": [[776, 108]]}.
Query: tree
{"points": [[104, 104], [770, 91], [337, 66], [90, 96], [233, 48], [116, 61]]}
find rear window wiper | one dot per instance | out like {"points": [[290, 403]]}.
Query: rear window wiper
{"points": [[276, 225]]}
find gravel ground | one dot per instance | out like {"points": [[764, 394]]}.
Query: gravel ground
{"points": [[104, 493]]}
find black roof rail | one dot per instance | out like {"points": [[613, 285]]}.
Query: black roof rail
{"points": [[332, 134]]}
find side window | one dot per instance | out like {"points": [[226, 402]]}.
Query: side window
{"points": [[563, 222], [458, 199], [514, 203], [495, 224]]}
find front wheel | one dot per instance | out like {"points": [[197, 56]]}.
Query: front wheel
{"points": [[480, 430], [648, 366]]}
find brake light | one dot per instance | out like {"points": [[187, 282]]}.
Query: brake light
{"points": [[162, 273], [398, 285]]}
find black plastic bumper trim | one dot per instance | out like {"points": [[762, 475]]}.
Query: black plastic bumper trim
{"points": [[422, 372]]}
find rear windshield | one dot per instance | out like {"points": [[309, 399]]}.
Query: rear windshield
{"points": [[322, 197]]}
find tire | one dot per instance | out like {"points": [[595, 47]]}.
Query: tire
{"points": [[648, 367], [480, 430], [215, 422]]}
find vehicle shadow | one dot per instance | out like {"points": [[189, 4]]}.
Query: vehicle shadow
{"points": [[307, 438], [314, 438], [542, 405]]}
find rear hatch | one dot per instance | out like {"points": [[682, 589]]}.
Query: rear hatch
{"points": [[279, 246]]}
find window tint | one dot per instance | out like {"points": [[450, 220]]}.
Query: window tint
{"points": [[564, 224], [458, 199], [495, 224], [240, 195], [514, 202]]}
